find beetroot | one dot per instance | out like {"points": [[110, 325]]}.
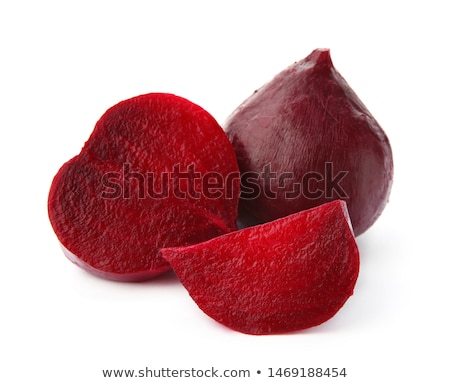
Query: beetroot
{"points": [[286, 275], [304, 139], [157, 171]]}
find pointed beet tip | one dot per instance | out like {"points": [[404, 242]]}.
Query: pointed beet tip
{"points": [[320, 56]]}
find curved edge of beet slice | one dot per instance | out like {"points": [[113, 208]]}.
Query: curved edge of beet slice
{"points": [[139, 276]]}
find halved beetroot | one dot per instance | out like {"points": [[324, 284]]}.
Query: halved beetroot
{"points": [[143, 182], [282, 276]]}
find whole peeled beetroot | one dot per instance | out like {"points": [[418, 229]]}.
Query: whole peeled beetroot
{"points": [[305, 139]]}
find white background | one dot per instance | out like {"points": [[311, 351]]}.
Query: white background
{"points": [[63, 64]]}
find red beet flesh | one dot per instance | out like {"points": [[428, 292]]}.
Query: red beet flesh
{"points": [[139, 185], [304, 139], [286, 275]]}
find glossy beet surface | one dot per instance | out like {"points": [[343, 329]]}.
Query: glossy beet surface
{"points": [[304, 139], [285, 275], [137, 186]]}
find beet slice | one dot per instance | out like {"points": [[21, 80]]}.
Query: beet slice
{"points": [[305, 138], [282, 276], [141, 182]]}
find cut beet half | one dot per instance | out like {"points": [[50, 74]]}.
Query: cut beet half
{"points": [[282, 276], [157, 171]]}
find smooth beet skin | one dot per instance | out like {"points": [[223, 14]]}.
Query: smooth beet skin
{"points": [[304, 139], [157, 171], [282, 276]]}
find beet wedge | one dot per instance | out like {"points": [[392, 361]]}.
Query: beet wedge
{"points": [[286, 275], [138, 185]]}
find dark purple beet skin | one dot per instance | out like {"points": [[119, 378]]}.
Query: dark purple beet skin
{"points": [[112, 208], [286, 275], [305, 139]]}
